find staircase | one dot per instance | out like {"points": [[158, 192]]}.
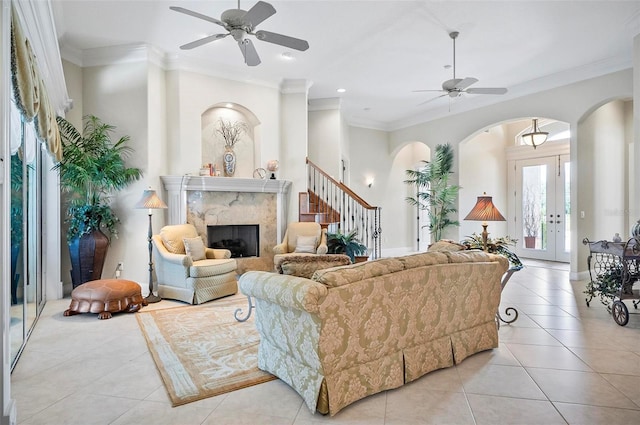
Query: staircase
{"points": [[336, 207]]}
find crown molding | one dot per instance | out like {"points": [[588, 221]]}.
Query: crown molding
{"points": [[132, 53], [325, 104], [38, 25], [292, 86], [114, 55], [368, 124]]}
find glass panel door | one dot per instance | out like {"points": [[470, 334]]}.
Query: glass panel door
{"points": [[26, 233], [33, 282], [16, 279], [543, 208]]}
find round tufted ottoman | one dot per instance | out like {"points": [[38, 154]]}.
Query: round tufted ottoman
{"points": [[106, 296]]}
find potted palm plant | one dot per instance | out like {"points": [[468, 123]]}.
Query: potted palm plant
{"points": [[348, 244], [435, 194], [91, 169]]}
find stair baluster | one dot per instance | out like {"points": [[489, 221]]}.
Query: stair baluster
{"points": [[336, 207]]}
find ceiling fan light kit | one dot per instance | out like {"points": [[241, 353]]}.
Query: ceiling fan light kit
{"points": [[455, 87], [240, 23], [535, 137]]}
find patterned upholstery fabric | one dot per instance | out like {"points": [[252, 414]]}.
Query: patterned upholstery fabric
{"points": [[172, 237], [205, 268], [446, 245], [306, 265], [357, 330], [288, 245], [357, 272], [181, 278]]}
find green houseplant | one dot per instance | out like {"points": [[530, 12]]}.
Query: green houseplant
{"points": [[348, 244], [91, 170], [501, 246], [435, 194], [16, 221]]}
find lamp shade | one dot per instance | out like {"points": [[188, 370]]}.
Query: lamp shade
{"points": [[484, 210], [535, 137], [150, 200]]}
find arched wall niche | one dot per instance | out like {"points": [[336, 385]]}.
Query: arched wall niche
{"points": [[247, 149]]}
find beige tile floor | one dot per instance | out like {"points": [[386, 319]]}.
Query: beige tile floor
{"points": [[561, 362]]}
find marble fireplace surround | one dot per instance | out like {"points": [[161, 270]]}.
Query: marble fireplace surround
{"points": [[204, 200]]}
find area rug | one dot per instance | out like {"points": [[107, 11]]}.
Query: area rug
{"points": [[202, 351]]}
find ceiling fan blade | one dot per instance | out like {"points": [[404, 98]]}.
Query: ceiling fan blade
{"points": [[258, 13], [487, 90], [197, 15], [464, 83], [249, 52], [421, 91], [282, 40], [432, 99], [202, 41]]}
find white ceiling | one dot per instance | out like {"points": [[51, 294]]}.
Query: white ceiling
{"points": [[380, 51]]}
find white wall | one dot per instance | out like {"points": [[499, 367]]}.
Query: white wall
{"points": [[118, 95], [190, 94], [293, 147], [326, 135], [567, 103], [286, 125], [484, 169], [602, 133], [370, 158]]}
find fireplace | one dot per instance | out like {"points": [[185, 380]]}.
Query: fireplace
{"points": [[204, 201], [243, 240]]}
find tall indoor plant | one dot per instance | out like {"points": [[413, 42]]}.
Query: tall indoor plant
{"points": [[91, 170], [434, 193]]}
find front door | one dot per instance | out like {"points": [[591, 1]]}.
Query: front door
{"points": [[543, 208]]}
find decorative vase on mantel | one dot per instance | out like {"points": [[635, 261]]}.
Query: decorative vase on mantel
{"points": [[229, 161]]}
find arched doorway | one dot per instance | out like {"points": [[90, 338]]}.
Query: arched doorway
{"points": [[496, 162]]}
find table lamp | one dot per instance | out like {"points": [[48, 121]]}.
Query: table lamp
{"points": [[484, 211], [151, 201]]}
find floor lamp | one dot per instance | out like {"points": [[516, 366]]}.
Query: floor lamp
{"points": [[484, 211], [151, 201]]}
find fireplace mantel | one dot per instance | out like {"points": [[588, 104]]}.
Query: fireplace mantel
{"points": [[178, 186]]}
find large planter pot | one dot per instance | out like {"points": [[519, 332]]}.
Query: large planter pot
{"points": [[88, 254], [529, 241]]}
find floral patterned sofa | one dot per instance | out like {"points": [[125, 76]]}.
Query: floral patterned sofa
{"points": [[352, 331]]}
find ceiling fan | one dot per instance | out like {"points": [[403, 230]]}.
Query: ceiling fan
{"points": [[240, 23], [456, 86]]}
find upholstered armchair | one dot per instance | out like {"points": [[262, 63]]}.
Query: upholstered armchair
{"points": [[301, 238], [189, 271]]}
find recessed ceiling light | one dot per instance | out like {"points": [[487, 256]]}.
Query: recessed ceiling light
{"points": [[341, 90], [229, 105], [288, 56]]}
